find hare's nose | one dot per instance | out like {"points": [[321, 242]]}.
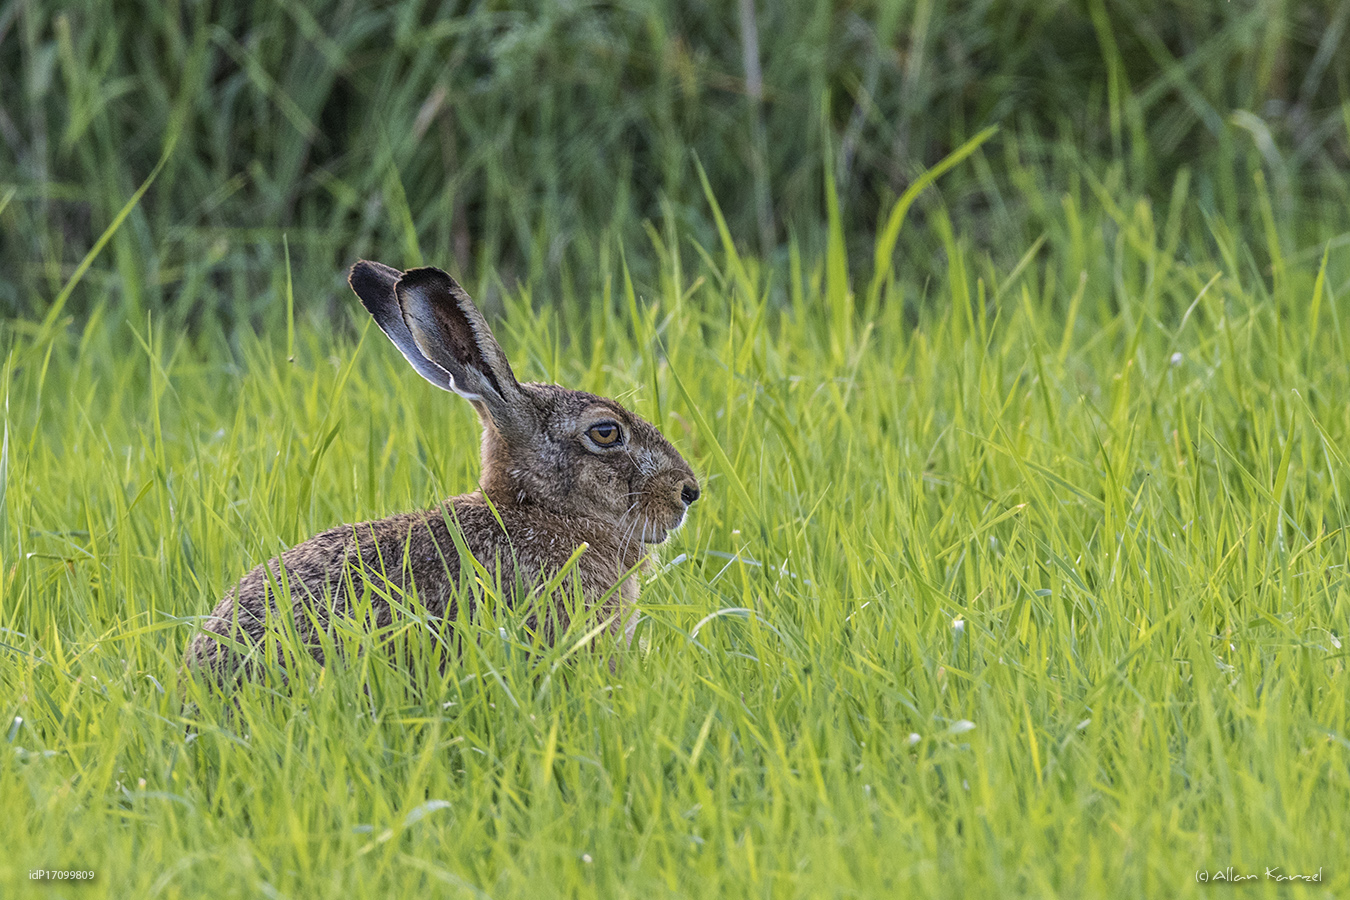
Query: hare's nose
{"points": [[689, 493]]}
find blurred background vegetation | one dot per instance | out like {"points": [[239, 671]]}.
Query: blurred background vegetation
{"points": [[529, 143]]}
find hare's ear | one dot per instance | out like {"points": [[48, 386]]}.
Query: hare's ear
{"points": [[374, 283], [449, 330]]}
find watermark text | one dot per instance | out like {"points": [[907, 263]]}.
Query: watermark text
{"points": [[1231, 875], [60, 874]]}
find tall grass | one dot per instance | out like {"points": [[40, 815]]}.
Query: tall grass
{"points": [[1021, 567], [528, 143], [1030, 583]]}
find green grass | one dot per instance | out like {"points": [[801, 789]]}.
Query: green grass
{"points": [[527, 141], [1018, 581], [1021, 567]]}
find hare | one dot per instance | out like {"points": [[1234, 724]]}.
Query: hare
{"points": [[560, 469]]}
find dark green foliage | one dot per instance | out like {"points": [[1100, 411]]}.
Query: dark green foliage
{"points": [[529, 142]]}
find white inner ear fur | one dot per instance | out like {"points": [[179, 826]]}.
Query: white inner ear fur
{"points": [[476, 399]]}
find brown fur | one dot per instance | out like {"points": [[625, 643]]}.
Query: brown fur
{"points": [[553, 487]]}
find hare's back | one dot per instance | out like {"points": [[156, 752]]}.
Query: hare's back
{"points": [[409, 556]]}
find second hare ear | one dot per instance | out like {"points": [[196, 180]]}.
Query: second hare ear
{"points": [[449, 331], [374, 283]]}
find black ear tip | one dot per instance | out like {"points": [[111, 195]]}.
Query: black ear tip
{"points": [[428, 277], [372, 281], [367, 268]]}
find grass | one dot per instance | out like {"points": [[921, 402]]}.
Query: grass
{"points": [[1020, 580], [530, 140], [1021, 567]]}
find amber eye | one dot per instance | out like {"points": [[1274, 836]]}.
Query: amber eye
{"points": [[606, 434]]}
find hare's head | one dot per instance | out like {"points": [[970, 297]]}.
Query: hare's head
{"points": [[567, 452]]}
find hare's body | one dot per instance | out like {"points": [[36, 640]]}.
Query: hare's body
{"points": [[561, 469], [417, 550]]}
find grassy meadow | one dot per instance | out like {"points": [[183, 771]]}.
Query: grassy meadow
{"points": [[997, 594], [1009, 342]]}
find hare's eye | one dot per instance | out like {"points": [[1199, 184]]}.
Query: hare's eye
{"points": [[606, 434]]}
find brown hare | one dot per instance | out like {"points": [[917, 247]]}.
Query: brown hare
{"points": [[560, 468]]}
